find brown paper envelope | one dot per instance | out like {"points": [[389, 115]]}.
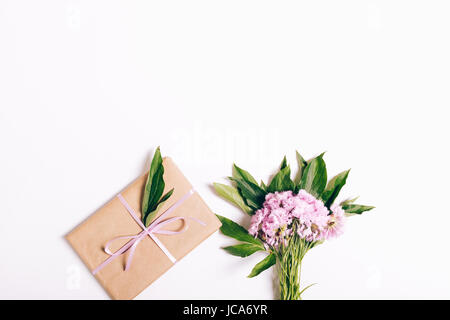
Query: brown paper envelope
{"points": [[149, 262]]}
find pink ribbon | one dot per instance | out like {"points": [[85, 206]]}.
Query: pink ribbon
{"points": [[151, 230]]}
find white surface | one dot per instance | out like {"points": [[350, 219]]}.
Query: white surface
{"points": [[88, 89]]}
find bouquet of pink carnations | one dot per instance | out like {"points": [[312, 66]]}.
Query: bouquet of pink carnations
{"points": [[288, 217]]}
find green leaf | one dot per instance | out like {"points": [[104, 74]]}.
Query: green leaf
{"points": [[153, 190], [301, 167], [166, 196], [234, 230], [265, 264], [263, 186], [253, 195], [281, 181], [243, 250], [239, 173], [333, 188], [148, 218], [283, 163], [157, 189], [231, 194], [155, 165], [356, 208], [348, 201], [314, 178], [151, 215]]}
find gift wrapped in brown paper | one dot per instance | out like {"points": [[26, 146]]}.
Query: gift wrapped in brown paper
{"points": [[186, 217]]}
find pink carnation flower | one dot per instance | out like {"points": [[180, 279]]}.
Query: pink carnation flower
{"points": [[273, 222]]}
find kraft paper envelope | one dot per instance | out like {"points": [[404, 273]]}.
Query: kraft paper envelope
{"points": [[149, 262]]}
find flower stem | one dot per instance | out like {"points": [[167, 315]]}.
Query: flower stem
{"points": [[290, 262]]}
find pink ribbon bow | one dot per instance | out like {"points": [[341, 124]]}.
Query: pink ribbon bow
{"points": [[151, 230]]}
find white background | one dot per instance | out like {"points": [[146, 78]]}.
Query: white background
{"points": [[88, 89]]}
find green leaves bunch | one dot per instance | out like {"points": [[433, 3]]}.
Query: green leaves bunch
{"points": [[246, 194], [153, 197]]}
